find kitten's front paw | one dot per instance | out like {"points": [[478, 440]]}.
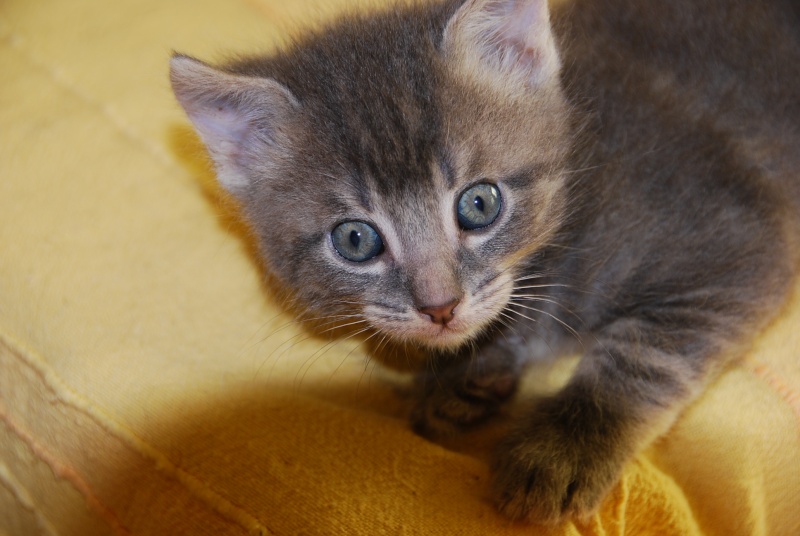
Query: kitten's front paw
{"points": [[465, 392], [546, 477], [447, 407]]}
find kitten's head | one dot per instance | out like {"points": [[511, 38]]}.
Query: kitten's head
{"points": [[400, 167]]}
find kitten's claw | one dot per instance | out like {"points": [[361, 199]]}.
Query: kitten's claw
{"points": [[544, 477]]}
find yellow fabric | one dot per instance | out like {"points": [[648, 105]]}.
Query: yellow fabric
{"points": [[150, 385]]}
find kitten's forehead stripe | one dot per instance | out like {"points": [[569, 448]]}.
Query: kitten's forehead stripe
{"points": [[368, 89], [447, 170], [524, 177], [362, 191]]}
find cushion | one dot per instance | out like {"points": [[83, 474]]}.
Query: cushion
{"points": [[151, 383]]}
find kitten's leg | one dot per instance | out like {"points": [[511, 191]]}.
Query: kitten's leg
{"points": [[628, 389], [465, 390]]}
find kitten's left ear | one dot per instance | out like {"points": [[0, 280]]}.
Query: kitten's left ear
{"points": [[503, 41], [242, 120]]}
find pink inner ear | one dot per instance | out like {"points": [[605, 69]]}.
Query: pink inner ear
{"points": [[527, 21], [228, 134], [521, 25], [221, 127], [520, 16], [514, 35], [521, 55]]}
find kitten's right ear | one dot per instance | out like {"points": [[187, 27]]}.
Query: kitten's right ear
{"points": [[240, 119], [507, 44]]}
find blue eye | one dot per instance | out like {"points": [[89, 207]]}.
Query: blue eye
{"points": [[479, 206], [356, 241]]}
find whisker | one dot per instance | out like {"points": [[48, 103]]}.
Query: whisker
{"points": [[249, 344], [549, 285], [246, 344], [529, 277], [539, 297], [282, 353], [292, 341], [536, 297], [322, 351], [332, 320], [340, 326], [508, 321], [368, 361], [347, 302], [566, 326], [347, 356], [383, 340], [581, 170]]}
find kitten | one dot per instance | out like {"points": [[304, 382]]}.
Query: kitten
{"points": [[486, 179]]}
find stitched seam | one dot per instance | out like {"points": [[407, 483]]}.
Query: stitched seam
{"points": [[767, 374], [193, 484], [67, 473], [16, 42], [56, 385], [24, 499]]}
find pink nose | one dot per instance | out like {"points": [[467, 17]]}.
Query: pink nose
{"points": [[440, 314]]}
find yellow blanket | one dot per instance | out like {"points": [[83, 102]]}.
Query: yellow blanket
{"points": [[149, 385]]}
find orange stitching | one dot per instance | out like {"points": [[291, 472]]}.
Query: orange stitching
{"points": [[194, 485], [786, 391], [61, 79], [66, 472]]}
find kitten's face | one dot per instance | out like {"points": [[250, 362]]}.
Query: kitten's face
{"points": [[400, 189]]}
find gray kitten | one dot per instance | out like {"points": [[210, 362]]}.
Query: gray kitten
{"points": [[486, 180]]}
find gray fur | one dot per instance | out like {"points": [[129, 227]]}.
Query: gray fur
{"points": [[647, 154]]}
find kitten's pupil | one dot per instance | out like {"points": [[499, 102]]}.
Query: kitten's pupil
{"points": [[356, 241], [479, 206], [355, 238]]}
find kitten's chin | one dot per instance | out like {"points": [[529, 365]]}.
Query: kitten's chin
{"points": [[433, 336], [444, 338], [447, 340]]}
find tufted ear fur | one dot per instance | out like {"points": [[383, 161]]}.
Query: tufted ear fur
{"points": [[242, 120], [506, 43]]}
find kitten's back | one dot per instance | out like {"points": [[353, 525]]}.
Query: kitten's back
{"points": [[730, 68]]}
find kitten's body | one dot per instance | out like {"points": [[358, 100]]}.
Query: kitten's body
{"points": [[650, 203]]}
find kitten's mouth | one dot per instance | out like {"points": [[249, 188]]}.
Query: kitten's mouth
{"points": [[446, 337], [449, 336], [477, 311], [462, 328]]}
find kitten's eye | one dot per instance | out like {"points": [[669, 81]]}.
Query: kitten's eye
{"points": [[356, 241], [479, 206]]}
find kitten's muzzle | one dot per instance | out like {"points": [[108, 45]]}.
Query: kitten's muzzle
{"points": [[440, 314]]}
